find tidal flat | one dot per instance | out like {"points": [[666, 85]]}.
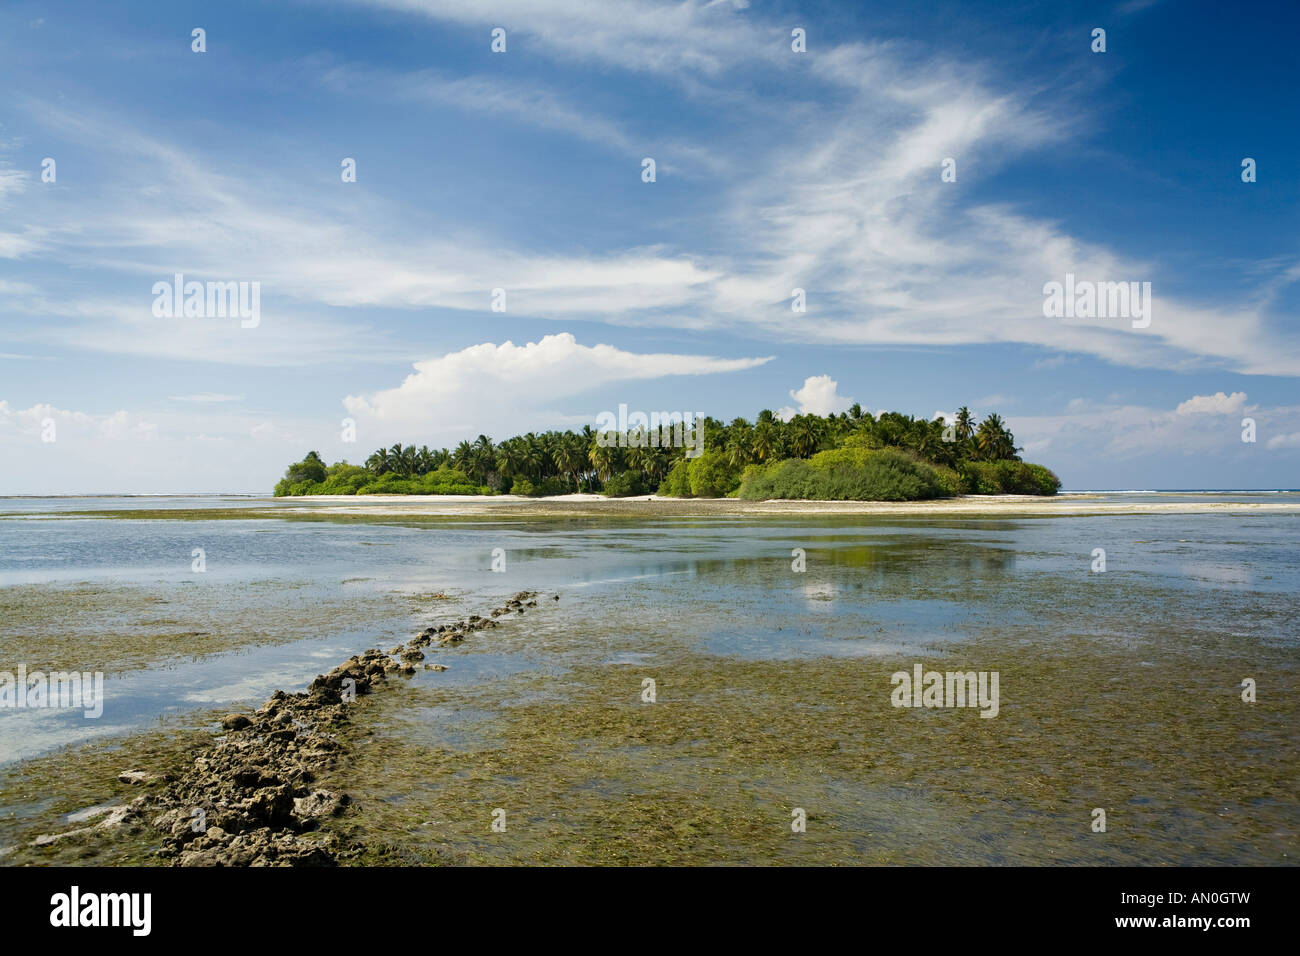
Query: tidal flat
{"points": [[1120, 691], [116, 627]]}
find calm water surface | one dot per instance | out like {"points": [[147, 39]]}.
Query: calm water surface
{"points": [[872, 587]]}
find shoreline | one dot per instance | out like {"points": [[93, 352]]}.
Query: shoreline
{"points": [[655, 506], [425, 508]]}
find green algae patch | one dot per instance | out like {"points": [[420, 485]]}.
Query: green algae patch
{"points": [[62, 791], [115, 628], [716, 770], [732, 752]]}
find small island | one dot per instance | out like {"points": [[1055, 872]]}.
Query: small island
{"points": [[850, 456]]}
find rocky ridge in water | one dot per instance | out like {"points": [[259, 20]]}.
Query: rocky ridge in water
{"points": [[250, 799]]}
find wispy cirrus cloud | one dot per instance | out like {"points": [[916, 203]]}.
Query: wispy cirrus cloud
{"points": [[842, 199], [206, 398], [703, 37]]}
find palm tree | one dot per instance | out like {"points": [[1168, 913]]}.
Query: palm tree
{"points": [[639, 457], [603, 459], [482, 459], [462, 455], [379, 462], [396, 462], [993, 441], [508, 458], [937, 449], [805, 435], [569, 456], [424, 461], [738, 451], [965, 424], [532, 456], [660, 460], [764, 442]]}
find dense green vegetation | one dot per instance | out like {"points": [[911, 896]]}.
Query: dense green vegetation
{"points": [[850, 456]]}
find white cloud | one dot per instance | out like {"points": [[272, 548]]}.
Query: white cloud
{"points": [[483, 94], [841, 197], [528, 103], [676, 40], [207, 448], [1291, 440], [819, 395], [29, 424], [501, 389], [1216, 404], [11, 180], [1205, 425]]}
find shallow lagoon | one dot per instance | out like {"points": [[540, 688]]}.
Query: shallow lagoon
{"points": [[1188, 606]]}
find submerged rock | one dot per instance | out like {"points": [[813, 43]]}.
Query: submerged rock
{"points": [[139, 776], [248, 800]]}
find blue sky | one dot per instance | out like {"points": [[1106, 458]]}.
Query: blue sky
{"points": [[522, 171]]}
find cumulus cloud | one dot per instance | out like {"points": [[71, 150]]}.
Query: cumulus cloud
{"points": [[1096, 435], [30, 424], [502, 388], [205, 448], [819, 395], [1216, 404]]}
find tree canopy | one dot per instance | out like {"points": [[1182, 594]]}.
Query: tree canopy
{"points": [[957, 456]]}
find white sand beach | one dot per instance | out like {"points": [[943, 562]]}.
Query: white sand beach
{"points": [[650, 505]]}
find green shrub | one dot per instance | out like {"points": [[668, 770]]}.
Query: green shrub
{"points": [[388, 483], [286, 488], [344, 479], [711, 476], [627, 484], [443, 481], [847, 474], [949, 480], [980, 477], [1009, 478], [1043, 479], [310, 470], [522, 486], [544, 487], [677, 483]]}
